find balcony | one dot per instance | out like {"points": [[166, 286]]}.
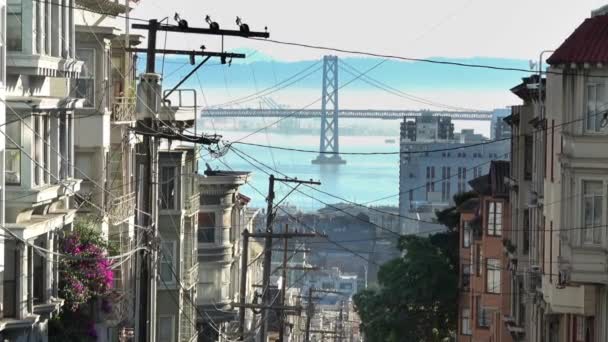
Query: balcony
{"points": [[187, 328], [192, 204], [121, 208], [577, 300], [190, 276], [123, 109]]}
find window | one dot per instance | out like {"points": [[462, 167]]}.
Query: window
{"points": [[14, 28], [85, 85], [327, 285], [583, 329], [206, 227], [493, 275], [2, 46], [346, 286], [13, 151], [495, 218], [165, 328], [526, 231], [484, 315], [466, 276], [592, 211], [478, 260], [167, 261], [168, 188], [466, 235], [465, 318], [596, 101], [528, 153]]}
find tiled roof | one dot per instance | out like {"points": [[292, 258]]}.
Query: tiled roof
{"points": [[587, 44]]}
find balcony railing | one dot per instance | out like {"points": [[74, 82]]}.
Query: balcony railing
{"points": [[121, 208], [192, 204], [188, 321], [123, 109], [190, 276]]}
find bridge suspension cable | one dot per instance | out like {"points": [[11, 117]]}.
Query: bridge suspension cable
{"points": [[392, 90]]}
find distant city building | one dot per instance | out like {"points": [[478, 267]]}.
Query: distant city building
{"points": [[499, 128], [439, 166]]}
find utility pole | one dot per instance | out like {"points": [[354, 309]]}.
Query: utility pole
{"points": [[148, 106], [268, 247], [147, 169], [284, 287], [310, 310], [243, 287]]}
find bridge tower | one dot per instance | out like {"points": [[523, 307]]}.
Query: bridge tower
{"points": [[329, 142]]}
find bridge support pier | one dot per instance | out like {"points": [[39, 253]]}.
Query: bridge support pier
{"points": [[329, 140]]}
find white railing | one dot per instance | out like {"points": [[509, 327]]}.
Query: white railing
{"points": [[121, 208], [192, 204], [123, 109]]}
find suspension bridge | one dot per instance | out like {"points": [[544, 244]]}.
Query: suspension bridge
{"points": [[330, 113]]}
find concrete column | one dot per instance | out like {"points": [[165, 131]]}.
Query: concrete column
{"points": [[55, 268], [30, 278], [48, 269], [71, 159], [72, 27], [56, 28], [65, 32], [21, 280], [48, 29], [39, 27]]}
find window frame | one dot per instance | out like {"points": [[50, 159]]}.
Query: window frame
{"points": [[594, 228], [594, 128], [465, 329], [172, 319], [494, 227], [87, 76], [493, 275], [467, 231], [17, 148], [167, 203], [172, 262]]}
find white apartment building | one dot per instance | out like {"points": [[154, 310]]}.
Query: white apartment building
{"points": [[105, 145], [222, 218], [39, 175], [574, 251]]}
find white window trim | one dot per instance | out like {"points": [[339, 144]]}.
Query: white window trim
{"points": [[497, 286], [600, 130], [173, 280], [177, 188], [172, 318], [492, 226], [581, 208]]}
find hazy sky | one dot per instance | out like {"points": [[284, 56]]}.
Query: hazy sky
{"points": [[415, 28]]}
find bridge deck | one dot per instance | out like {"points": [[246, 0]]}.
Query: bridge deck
{"points": [[344, 113]]}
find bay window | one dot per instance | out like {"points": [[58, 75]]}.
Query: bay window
{"points": [[167, 261], [596, 103], [593, 200], [168, 187], [14, 28], [85, 85], [13, 151]]}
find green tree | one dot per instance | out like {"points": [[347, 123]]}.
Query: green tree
{"points": [[417, 294]]}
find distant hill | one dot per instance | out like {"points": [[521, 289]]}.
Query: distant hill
{"points": [[260, 72]]}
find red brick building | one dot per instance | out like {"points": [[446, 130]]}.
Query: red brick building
{"points": [[485, 287]]}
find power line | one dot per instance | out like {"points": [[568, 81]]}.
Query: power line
{"points": [[376, 153], [412, 59]]}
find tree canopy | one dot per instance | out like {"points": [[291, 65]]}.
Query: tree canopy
{"points": [[417, 294]]}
